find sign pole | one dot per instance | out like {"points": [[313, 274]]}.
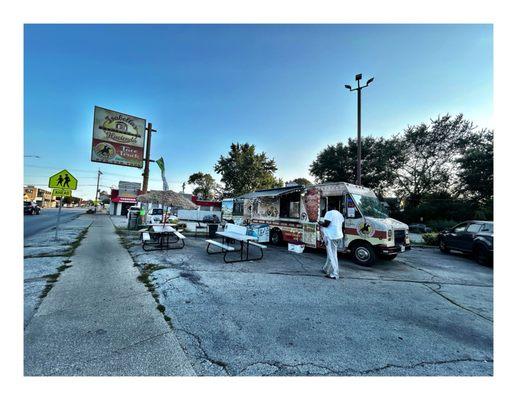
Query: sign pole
{"points": [[59, 214], [147, 159], [99, 173]]}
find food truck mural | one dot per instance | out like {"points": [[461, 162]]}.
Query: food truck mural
{"points": [[293, 212]]}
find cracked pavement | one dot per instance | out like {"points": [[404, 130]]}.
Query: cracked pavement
{"points": [[425, 313]]}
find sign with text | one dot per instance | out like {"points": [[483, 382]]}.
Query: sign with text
{"points": [[117, 138], [62, 180], [62, 192], [128, 189]]}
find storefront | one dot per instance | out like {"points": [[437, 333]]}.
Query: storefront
{"points": [[123, 197], [119, 205]]}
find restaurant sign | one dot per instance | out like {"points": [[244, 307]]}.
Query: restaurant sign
{"points": [[117, 138]]}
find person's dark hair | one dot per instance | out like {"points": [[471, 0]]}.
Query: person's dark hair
{"points": [[332, 207]]}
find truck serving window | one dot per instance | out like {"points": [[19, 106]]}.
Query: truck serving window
{"points": [[290, 205]]}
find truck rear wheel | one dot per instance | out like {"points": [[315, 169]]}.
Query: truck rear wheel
{"points": [[363, 254], [276, 237]]}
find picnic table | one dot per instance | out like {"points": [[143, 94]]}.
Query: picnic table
{"points": [[235, 233], [161, 237]]}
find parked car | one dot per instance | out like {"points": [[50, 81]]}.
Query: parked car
{"points": [[154, 216], [470, 237], [31, 208], [419, 228]]}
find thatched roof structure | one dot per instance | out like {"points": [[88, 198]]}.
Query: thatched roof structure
{"points": [[167, 198]]}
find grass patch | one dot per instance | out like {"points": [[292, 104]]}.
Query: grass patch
{"points": [[145, 271], [75, 244]]}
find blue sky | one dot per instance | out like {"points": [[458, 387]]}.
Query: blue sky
{"points": [[206, 86]]}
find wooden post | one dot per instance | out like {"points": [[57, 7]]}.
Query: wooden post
{"points": [[147, 158]]}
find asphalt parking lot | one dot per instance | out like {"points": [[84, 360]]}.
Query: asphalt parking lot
{"points": [[425, 313]]}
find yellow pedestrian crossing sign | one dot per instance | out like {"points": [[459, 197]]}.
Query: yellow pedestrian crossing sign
{"points": [[62, 180], [62, 192]]}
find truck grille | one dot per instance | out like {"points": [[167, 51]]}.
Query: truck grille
{"points": [[400, 237]]}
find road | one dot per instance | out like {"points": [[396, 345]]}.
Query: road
{"points": [[33, 224]]}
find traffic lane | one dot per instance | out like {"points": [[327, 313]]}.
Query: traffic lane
{"points": [[47, 219]]}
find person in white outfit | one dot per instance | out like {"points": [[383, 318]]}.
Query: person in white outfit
{"points": [[332, 229]]}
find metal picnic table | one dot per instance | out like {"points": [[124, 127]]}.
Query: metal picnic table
{"points": [[159, 237], [244, 240]]}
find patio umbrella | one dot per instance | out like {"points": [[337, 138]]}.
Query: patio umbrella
{"points": [[167, 198]]}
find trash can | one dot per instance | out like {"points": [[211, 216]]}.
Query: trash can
{"points": [[212, 229]]}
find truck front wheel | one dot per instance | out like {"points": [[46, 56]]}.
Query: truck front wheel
{"points": [[363, 254]]}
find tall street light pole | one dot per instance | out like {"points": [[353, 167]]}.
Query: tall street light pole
{"points": [[358, 78]]}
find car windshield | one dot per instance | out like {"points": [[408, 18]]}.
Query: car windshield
{"points": [[370, 206]]}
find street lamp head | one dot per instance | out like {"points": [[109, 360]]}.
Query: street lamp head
{"points": [[369, 81], [348, 87], [358, 77]]}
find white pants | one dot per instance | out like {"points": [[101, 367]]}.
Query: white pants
{"points": [[331, 266]]}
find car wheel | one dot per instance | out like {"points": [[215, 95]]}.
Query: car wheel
{"points": [[276, 237], [363, 254], [388, 257], [443, 247], [481, 256]]}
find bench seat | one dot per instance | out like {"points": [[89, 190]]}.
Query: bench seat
{"points": [[222, 246], [257, 245], [179, 235]]}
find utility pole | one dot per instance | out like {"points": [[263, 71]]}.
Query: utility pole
{"points": [[99, 173], [147, 158], [358, 78]]}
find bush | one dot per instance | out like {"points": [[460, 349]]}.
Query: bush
{"points": [[439, 225], [430, 239]]}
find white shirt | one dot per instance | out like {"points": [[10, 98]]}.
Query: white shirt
{"points": [[335, 229]]}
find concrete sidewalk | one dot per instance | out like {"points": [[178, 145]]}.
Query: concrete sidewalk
{"points": [[99, 320]]}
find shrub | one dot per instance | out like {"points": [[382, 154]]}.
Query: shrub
{"points": [[439, 225], [430, 239]]}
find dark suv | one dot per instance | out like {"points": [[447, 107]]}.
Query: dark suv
{"points": [[471, 237], [30, 208]]}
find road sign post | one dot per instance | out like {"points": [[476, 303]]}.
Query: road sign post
{"points": [[62, 185]]}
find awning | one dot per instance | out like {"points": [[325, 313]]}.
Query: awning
{"points": [[124, 200], [272, 192]]}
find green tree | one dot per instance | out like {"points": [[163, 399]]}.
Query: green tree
{"points": [[302, 181], [381, 158], [243, 170], [205, 185], [430, 152], [476, 168]]}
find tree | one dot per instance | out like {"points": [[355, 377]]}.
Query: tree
{"points": [[476, 168], [205, 185], [244, 171], [381, 158], [430, 151], [302, 181]]}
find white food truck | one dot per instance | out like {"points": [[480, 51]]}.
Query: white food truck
{"points": [[293, 212]]}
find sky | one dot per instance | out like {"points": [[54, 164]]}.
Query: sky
{"points": [[280, 87]]}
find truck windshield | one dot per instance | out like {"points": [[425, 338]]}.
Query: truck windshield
{"points": [[370, 206]]}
